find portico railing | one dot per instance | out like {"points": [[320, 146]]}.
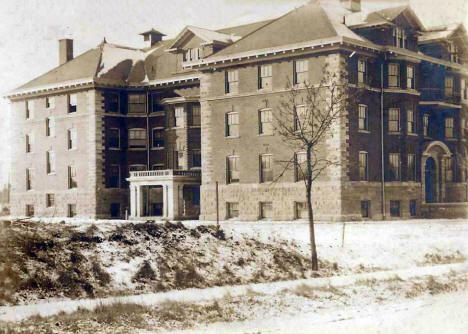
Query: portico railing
{"points": [[166, 172]]}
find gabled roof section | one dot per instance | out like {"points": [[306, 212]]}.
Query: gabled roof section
{"points": [[306, 23], [437, 34], [207, 36], [81, 67], [382, 17]]}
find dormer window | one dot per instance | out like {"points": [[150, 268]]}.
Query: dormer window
{"points": [[399, 38], [192, 54]]}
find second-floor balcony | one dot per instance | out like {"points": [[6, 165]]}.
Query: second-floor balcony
{"points": [[440, 96]]}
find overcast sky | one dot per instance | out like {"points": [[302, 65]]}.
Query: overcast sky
{"points": [[30, 28]]}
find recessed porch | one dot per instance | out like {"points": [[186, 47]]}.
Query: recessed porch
{"points": [[165, 194]]}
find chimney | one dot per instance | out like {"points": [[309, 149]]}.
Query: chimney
{"points": [[65, 50], [152, 36], [352, 5]]}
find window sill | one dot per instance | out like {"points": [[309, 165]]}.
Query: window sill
{"points": [[394, 133], [157, 148], [195, 168], [412, 134], [177, 127], [136, 149], [364, 131], [265, 135], [111, 148], [232, 137], [451, 139], [231, 94], [52, 173], [265, 90], [195, 126]]}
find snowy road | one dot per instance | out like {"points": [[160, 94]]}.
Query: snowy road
{"points": [[446, 314]]}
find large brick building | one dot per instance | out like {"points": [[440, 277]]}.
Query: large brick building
{"points": [[151, 131]]}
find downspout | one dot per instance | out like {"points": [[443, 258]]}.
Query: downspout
{"points": [[382, 182], [148, 133]]}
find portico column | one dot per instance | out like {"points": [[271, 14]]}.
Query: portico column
{"points": [[138, 201], [132, 201], [165, 200]]}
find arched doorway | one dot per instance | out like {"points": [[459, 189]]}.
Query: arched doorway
{"points": [[430, 180]]}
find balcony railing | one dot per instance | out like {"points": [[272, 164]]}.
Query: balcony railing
{"points": [[165, 172], [440, 95]]}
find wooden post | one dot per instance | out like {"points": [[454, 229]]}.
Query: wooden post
{"points": [[217, 206]]}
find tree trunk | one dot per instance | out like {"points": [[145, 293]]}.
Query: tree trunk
{"points": [[313, 247]]}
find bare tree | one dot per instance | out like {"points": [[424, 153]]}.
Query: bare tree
{"points": [[304, 121]]}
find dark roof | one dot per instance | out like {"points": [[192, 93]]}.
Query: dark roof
{"points": [[380, 17], [306, 23], [244, 29]]}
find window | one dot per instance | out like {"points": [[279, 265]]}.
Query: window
{"points": [[266, 210], [50, 200], [449, 127], [232, 124], [50, 102], [301, 72], [410, 77], [179, 117], [365, 209], [50, 127], [111, 102], [192, 54], [393, 75], [50, 162], [72, 177], [71, 210], [115, 210], [449, 169], [363, 166], [395, 166], [158, 138], [137, 138], [265, 122], [196, 158], [72, 102], [113, 178], [363, 117], [159, 166], [412, 207], [453, 50], [196, 116], [137, 103], [232, 171], [362, 71], [300, 118], [395, 208], [29, 143], [399, 38], [300, 166], [113, 139], [265, 78], [411, 121], [394, 120], [29, 109], [426, 124], [72, 139], [464, 89], [156, 103], [232, 81], [266, 168], [411, 165], [301, 211], [136, 168], [232, 210], [448, 86], [29, 210], [29, 179]]}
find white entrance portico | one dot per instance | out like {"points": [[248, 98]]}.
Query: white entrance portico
{"points": [[165, 194]]}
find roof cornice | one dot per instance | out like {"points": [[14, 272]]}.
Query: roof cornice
{"points": [[93, 82]]}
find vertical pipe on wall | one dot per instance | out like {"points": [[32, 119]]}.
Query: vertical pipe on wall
{"points": [[382, 183]]}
